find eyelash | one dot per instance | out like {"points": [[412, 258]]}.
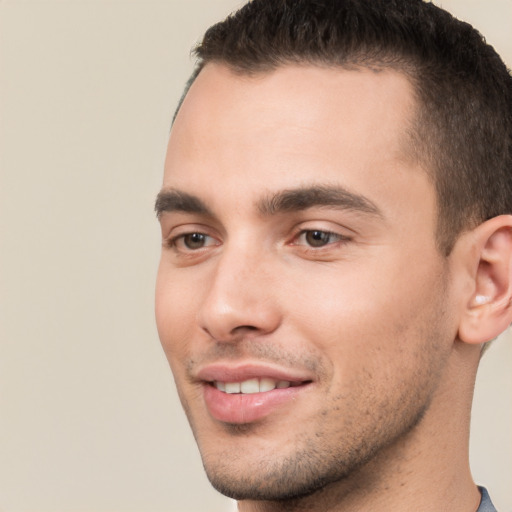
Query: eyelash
{"points": [[324, 238], [322, 235], [175, 241]]}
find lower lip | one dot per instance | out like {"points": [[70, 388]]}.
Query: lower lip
{"points": [[241, 408]]}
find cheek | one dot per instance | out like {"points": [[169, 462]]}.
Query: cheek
{"points": [[175, 313], [376, 316]]}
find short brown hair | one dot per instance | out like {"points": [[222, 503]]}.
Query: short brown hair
{"points": [[463, 127]]}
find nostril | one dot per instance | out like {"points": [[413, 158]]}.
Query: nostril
{"points": [[247, 327], [234, 335], [241, 331]]}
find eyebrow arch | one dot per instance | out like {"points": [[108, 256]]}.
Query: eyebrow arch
{"points": [[323, 195], [171, 200]]}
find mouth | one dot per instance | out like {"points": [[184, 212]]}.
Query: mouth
{"points": [[252, 386], [250, 393]]}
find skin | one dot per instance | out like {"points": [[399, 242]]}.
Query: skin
{"points": [[371, 317]]}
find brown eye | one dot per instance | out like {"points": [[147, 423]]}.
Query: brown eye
{"points": [[194, 241], [191, 242], [316, 238]]}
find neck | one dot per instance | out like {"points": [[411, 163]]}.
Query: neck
{"points": [[427, 470]]}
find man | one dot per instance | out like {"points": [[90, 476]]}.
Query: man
{"points": [[337, 250]]}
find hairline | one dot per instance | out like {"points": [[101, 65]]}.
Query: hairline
{"points": [[412, 147]]}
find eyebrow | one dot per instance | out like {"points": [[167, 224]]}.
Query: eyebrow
{"points": [[290, 200], [324, 195], [171, 200]]}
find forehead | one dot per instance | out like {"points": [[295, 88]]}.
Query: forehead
{"points": [[294, 126], [296, 96]]}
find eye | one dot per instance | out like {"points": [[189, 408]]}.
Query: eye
{"points": [[317, 238], [192, 241]]}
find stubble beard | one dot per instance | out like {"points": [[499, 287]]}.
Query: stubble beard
{"points": [[310, 469], [348, 450], [339, 457]]}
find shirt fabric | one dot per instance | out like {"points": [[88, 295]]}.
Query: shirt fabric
{"points": [[486, 503]]}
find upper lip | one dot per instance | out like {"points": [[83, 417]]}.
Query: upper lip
{"points": [[229, 372]]}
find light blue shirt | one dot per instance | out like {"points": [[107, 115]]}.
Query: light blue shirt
{"points": [[486, 503]]}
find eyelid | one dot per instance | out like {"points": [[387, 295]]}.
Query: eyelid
{"points": [[334, 239], [178, 233], [178, 241], [322, 225], [333, 234]]}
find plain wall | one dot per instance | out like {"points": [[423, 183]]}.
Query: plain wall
{"points": [[89, 419]]}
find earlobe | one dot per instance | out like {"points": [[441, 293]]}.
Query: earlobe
{"points": [[488, 312]]}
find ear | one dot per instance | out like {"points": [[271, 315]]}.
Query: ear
{"points": [[488, 311]]}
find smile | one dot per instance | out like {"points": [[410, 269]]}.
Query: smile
{"points": [[252, 399], [251, 391], [251, 386]]}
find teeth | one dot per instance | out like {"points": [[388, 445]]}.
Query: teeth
{"points": [[232, 387], [267, 385], [252, 385]]}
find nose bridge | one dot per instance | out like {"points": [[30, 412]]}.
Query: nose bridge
{"points": [[240, 295]]}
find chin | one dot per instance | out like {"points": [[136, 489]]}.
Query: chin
{"points": [[266, 477], [249, 464]]}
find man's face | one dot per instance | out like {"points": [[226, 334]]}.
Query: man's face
{"points": [[301, 300]]}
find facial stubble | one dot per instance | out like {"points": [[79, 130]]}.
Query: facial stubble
{"points": [[331, 453]]}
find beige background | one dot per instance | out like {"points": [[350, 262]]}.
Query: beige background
{"points": [[89, 419]]}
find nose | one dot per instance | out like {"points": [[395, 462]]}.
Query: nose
{"points": [[240, 297]]}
